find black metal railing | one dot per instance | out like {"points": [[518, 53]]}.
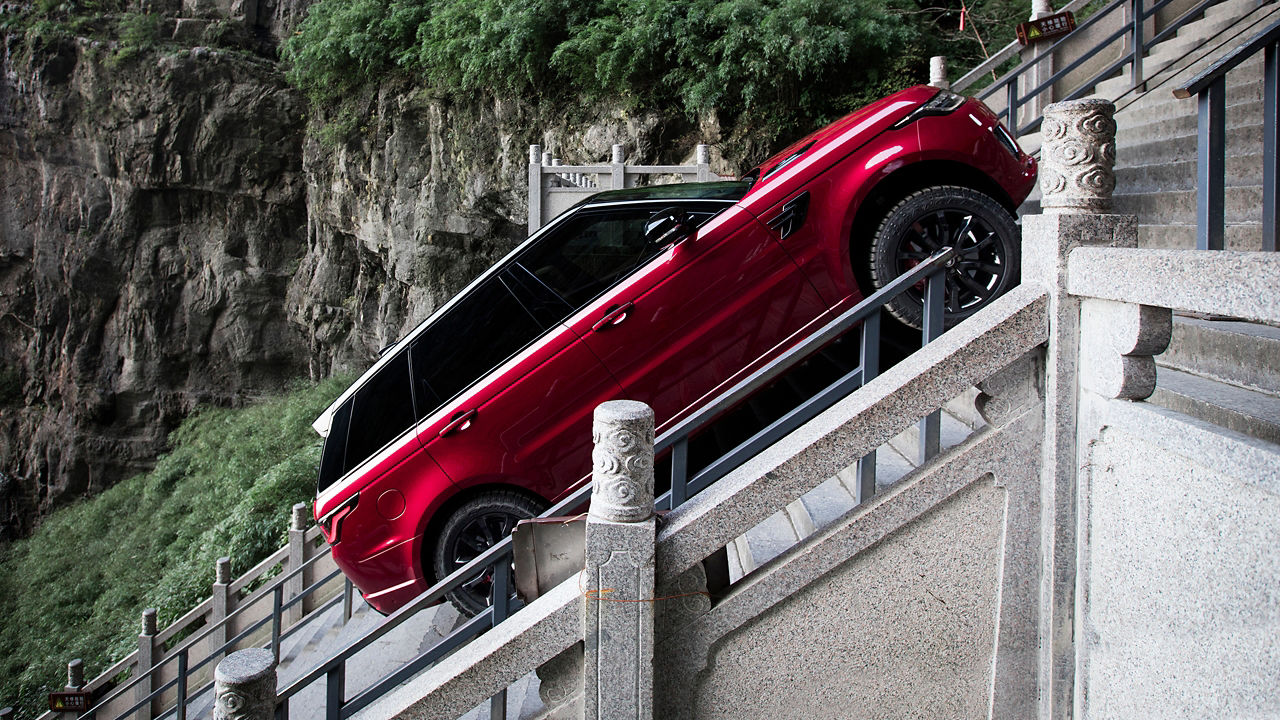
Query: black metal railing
{"points": [[498, 558], [179, 658], [1132, 33], [1210, 89]]}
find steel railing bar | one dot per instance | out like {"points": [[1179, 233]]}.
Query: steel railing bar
{"points": [[1229, 61], [1211, 137], [180, 703], [463, 634], [334, 689], [680, 472], [1270, 140], [275, 622], [869, 359], [775, 431], [933, 325], [310, 589], [310, 616], [1135, 72]]}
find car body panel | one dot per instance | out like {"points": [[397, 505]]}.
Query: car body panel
{"points": [[684, 324]]}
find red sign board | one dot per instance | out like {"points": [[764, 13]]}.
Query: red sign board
{"points": [[69, 701], [1045, 28]]}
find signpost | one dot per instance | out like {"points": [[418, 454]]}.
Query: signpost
{"points": [[75, 701], [1046, 28]]}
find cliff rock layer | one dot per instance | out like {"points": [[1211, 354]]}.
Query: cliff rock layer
{"points": [[153, 215], [175, 231]]}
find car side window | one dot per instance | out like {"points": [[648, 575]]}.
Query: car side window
{"points": [[333, 458], [383, 409], [479, 333], [589, 253]]}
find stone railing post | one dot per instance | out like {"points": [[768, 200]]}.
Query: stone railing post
{"points": [[1077, 179], [938, 72], [618, 577], [702, 158], [146, 661], [245, 686], [297, 557], [220, 604], [75, 675], [618, 161], [535, 188]]}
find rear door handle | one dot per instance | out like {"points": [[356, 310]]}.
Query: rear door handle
{"points": [[614, 316], [458, 423]]}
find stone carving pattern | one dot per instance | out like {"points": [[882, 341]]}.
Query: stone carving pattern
{"points": [[622, 467], [1078, 156], [231, 705]]}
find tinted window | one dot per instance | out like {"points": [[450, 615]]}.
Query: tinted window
{"points": [[332, 461], [476, 335], [590, 252], [381, 411]]}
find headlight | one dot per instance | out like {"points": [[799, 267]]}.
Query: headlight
{"points": [[941, 104]]}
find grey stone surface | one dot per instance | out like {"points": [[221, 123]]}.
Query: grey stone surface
{"points": [[1047, 241], [622, 461], [491, 662], [1180, 611], [848, 430], [617, 618], [1117, 341], [1249, 412], [1246, 354], [245, 686], [765, 649], [1243, 285], [1078, 156]]}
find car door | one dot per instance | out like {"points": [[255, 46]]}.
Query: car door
{"points": [[509, 390], [699, 314]]}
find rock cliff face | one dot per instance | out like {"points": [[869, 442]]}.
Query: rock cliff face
{"points": [[171, 234], [153, 215]]}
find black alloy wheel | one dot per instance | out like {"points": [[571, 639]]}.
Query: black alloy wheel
{"points": [[984, 234], [473, 528]]}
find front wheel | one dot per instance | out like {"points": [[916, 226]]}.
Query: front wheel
{"points": [[983, 233], [474, 527]]}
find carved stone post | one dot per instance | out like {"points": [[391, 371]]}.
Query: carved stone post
{"points": [[618, 578], [75, 675], [535, 187], [702, 159], [938, 72], [1077, 178], [297, 557], [617, 162], [146, 661], [245, 686], [220, 603]]}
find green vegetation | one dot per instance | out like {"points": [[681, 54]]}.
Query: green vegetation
{"points": [[78, 585]]}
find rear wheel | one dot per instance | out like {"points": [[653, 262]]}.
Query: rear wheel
{"points": [[984, 234], [474, 527]]}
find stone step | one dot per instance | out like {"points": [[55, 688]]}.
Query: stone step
{"points": [[1249, 412], [1240, 170], [1243, 204], [1246, 236], [1236, 352], [1233, 7], [1139, 127], [1163, 149]]}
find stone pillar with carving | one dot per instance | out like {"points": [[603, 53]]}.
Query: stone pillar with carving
{"points": [[618, 576], [245, 686], [1076, 179]]}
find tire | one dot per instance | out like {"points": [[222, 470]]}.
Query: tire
{"points": [[474, 527], [983, 232]]}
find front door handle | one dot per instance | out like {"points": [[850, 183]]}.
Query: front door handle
{"points": [[614, 316], [460, 422]]}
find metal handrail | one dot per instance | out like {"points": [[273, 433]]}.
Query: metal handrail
{"points": [[1210, 87], [497, 558], [179, 654], [1132, 56], [1004, 53]]}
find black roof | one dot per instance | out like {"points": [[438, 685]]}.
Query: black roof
{"points": [[732, 190]]}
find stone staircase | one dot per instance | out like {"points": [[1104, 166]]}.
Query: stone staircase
{"points": [[835, 497], [1221, 371]]}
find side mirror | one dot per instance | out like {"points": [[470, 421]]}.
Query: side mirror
{"points": [[667, 226]]}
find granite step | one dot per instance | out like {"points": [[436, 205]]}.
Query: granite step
{"points": [[1236, 352], [1249, 412], [1244, 236]]}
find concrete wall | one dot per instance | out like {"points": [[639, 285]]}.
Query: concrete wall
{"points": [[1180, 581]]}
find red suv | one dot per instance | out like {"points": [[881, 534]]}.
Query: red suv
{"points": [[668, 294]]}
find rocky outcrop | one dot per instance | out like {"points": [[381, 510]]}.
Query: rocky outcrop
{"points": [[153, 215], [175, 231]]}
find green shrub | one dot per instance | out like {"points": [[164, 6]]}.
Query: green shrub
{"points": [[78, 585]]}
